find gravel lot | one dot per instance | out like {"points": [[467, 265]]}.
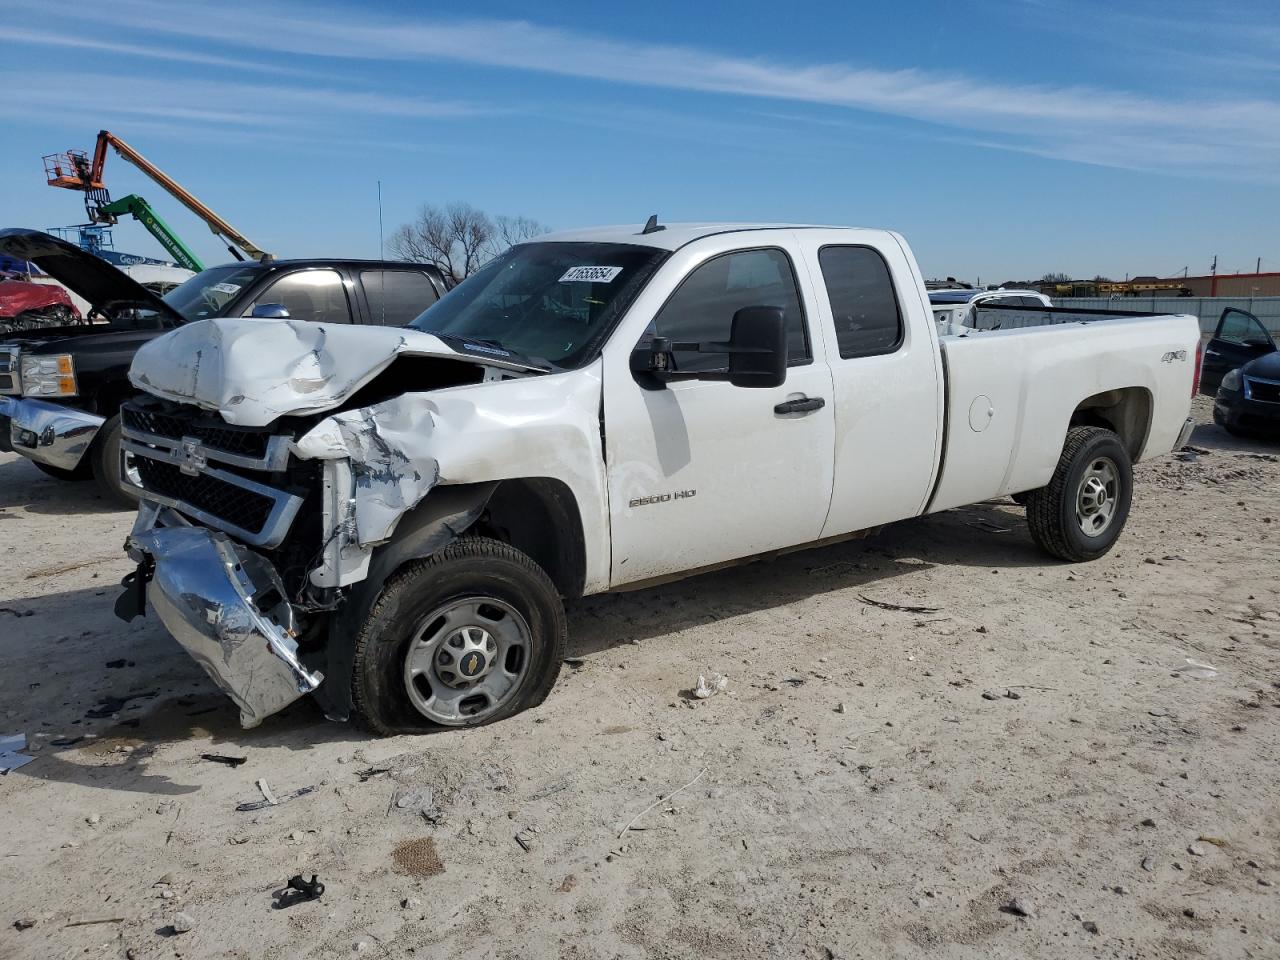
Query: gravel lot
{"points": [[871, 783]]}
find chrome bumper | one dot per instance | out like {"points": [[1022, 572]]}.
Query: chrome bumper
{"points": [[227, 607], [49, 432], [1185, 434]]}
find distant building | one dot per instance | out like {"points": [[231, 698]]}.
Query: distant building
{"points": [[1223, 285]]}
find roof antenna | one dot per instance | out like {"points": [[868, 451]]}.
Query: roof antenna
{"points": [[651, 225]]}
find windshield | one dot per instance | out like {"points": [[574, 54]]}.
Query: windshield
{"points": [[205, 294], [551, 301]]}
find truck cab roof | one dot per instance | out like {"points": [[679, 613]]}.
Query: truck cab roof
{"points": [[670, 236]]}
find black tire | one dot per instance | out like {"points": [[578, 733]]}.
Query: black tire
{"points": [[1052, 510], [471, 567], [104, 459]]}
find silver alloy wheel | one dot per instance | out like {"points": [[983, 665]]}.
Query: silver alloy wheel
{"points": [[1097, 497], [466, 659]]}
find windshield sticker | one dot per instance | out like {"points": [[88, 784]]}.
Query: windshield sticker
{"points": [[227, 288], [590, 274]]}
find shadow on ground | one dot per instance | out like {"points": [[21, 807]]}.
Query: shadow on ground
{"points": [[57, 662]]}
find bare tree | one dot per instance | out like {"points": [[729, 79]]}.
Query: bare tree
{"points": [[1055, 278], [459, 239]]}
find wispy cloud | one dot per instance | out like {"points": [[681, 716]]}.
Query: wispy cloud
{"points": [[1237, 138], [71, 41], [220, 102]]}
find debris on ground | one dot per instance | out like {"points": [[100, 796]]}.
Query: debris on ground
{"points": [[636, 818], [417, 858], [705, 688], [901, 608], [1017, 907], [182, 923], [10, 756], [1196, 670], [108, 706], [269, 799], [222, 758]]}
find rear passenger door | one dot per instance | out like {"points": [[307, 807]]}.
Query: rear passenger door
{"points": [[1239, 338], [394, 297], [886, 375]]}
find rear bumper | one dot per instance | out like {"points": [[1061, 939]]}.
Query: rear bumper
{"points": [[50, 433], [227, 607]]}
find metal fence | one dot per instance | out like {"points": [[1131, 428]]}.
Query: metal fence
{"points": [[1208, 309]]}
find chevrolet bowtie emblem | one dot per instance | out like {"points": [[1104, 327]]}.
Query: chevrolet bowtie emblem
{"points": [[192, 459]]}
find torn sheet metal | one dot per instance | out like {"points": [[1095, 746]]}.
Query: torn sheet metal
{"points": [[388, 447], [10, 758], [253, 371], [226, 605]]}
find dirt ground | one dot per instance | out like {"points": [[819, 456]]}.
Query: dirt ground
{"points": [[872, 783]]}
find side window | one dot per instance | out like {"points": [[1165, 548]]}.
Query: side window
{"points": [[1240, 327], [313, 295], [703, 306], [863, 303], [396, 296]]}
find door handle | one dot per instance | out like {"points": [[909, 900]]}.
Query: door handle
{"points": [[801, 405], [1211, 353]]}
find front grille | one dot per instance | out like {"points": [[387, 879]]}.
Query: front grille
{"points": [[9, 382], [1264, 390], [243, 442], [236, 506]]}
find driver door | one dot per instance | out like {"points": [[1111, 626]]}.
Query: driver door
{"points": [[1240, 337], [702, 471]]}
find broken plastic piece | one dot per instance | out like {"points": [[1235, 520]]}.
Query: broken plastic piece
{"points": [[1196, 670], [10, 758], [709, 688]]}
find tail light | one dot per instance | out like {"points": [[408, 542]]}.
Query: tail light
{"points": [[1195, 380]]}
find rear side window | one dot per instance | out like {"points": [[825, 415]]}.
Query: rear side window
{"points": [[703, 306], [396, 296], [863, 303]]}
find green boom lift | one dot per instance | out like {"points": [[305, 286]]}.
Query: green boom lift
{"points": [[74, 170], [140, 210]]}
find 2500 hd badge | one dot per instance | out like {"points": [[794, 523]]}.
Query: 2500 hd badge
{"points": [[662, 498]]}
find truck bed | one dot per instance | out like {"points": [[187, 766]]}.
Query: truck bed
{"points": [[1013, 392]]}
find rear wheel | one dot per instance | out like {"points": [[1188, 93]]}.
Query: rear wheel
{"points": [[469, 636], [104, 458], [1080, 513]]}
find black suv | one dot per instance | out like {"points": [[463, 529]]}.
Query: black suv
{"points": [[61, 385]]}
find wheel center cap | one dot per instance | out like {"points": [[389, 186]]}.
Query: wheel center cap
{"points": [[472, 664]]}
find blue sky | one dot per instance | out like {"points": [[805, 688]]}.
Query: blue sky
{"points": [[1004, 138]]}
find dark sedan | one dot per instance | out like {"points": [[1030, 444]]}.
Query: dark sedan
{"points": [[1242, 360]]}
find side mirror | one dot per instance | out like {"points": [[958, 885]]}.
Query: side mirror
{"points": [[758, 348], [757, 351], [270, 311]]}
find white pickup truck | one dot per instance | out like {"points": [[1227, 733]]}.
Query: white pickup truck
{"points": [[391, 518]]}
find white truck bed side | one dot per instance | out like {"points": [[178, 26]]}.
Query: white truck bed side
{"points": [[1011, 395]]}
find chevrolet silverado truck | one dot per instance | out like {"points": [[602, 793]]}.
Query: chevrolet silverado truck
{"points": [[391, 520], [62, 382]]}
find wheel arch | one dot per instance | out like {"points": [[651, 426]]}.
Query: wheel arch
{"points": [[1125, 411]]}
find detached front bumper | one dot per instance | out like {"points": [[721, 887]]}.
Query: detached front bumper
{"points": [[226, 605], [49, 433]]}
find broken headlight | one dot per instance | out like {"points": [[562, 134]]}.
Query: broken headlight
{"points": [[49, 376]]}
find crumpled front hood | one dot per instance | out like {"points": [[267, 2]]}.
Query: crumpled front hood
{"points": [[252, 371]]}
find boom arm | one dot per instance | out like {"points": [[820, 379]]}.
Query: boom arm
{"points": [[220, 227], [142, 212]]}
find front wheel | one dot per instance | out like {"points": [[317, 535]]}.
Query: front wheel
{"points": [[1080, 513], [471, 635]]}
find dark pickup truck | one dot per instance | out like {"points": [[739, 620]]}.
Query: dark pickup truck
{"points": [[61, 385]]}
